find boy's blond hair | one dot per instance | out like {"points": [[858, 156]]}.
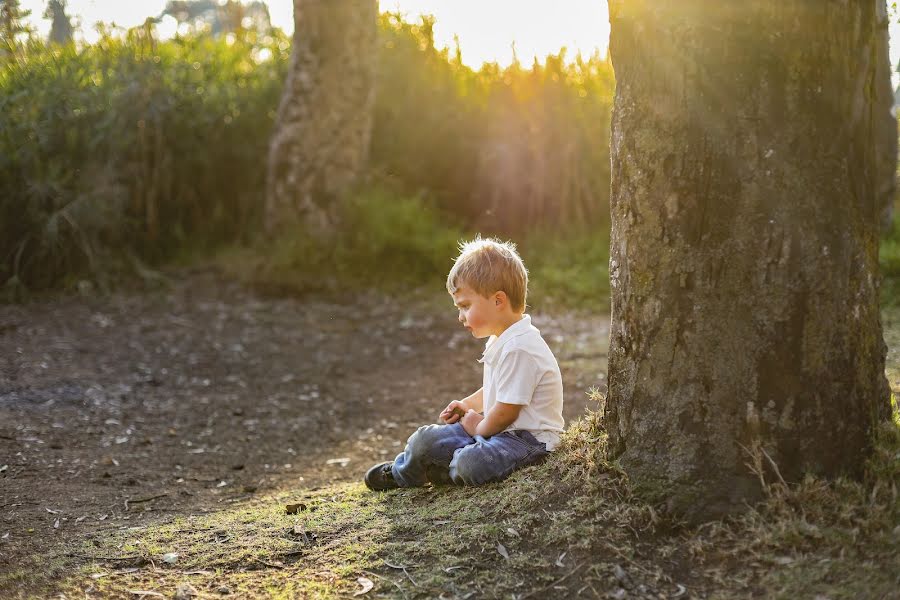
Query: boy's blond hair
{"points": [[488, 266]]}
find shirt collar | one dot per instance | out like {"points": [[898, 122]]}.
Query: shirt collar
{"points": [[494, 344]]}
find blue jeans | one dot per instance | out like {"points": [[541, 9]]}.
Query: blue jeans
{"points": [[446, 454]]}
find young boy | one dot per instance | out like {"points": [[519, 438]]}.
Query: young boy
{"points": [[522, 395]]}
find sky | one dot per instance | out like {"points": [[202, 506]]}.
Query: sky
{"points": [[487, 29]]}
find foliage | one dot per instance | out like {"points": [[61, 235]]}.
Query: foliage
{"points": [[386, 240], [889, 263], [398, 242], [507, 149], [12, 26], [135, 146], [131, 145], [568, 268]]}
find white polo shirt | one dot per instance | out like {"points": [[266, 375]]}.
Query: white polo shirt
{"points": [[519, 368]]}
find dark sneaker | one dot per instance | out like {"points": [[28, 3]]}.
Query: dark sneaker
{"points": [[380, 477]]}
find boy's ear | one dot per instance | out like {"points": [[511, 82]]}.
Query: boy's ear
{"points": [[499, 297]]}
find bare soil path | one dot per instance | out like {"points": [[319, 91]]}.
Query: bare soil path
{"points": [[120, 410]]}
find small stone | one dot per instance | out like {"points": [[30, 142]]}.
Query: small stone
{"points": [[184, 591]]}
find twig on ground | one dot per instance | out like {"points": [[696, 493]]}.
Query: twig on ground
{"points": [[557, 582], [139, 500], [399, 587], [405, 572], [774, 467]]}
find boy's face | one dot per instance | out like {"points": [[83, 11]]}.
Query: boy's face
{"points": [[477, 313]]}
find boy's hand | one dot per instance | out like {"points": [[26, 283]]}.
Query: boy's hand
{"points": [[470, 421], [454, 412]]}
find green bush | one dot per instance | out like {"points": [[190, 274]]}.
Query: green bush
{"points": [[568, 268], [889, 263], [386, 241], [507, 149], [397, 242], [131, 145], [145, 149]]}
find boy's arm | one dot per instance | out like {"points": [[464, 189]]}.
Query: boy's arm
{"points": [[497, 419], [475, 401]]}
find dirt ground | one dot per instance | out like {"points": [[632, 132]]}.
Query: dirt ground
{"points": [[133, 407]]}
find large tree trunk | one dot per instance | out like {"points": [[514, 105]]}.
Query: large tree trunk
{"points": [[321, 140], [744, 265], [886, 145]]}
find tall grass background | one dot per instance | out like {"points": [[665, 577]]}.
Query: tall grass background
{"points": [[134, 150]]}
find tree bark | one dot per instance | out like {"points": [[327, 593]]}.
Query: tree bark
{"points": [[320, 144], [744, 251]]}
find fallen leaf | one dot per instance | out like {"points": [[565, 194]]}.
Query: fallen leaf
{"points": [[784, 560], [502, 550], [102, 517], [56, 524], [4, 468], [337, 461], [513, 532], [98, 575], [559, 562], [293, 509], [51, 511], [146, 593], [80, 519], [197, 573], [366, 584], [170, 557], [442, 522]]}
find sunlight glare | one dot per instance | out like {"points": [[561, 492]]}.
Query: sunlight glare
{"points": [[486, 30]]}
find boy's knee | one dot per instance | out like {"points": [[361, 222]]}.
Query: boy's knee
{"points": [[423, 439], [467, 468]]}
